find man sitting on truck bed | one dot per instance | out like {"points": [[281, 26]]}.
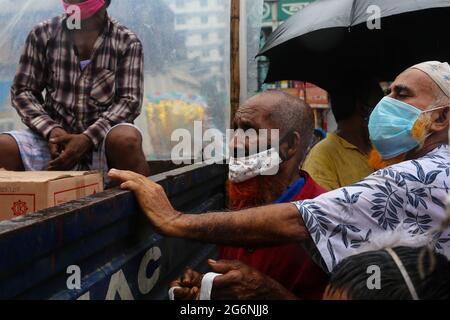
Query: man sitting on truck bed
{"points": [[288, 264], [92, 75]]}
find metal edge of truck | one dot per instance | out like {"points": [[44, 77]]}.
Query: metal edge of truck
{"points": [[107, 242]]}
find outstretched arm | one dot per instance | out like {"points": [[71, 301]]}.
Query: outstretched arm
{"points": [[263, 226], [270, 225]]}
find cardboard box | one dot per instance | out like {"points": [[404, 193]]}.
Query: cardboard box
{"points": [[26, 192]]}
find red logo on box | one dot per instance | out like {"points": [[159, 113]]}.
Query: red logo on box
{"points": [[19, 208]]}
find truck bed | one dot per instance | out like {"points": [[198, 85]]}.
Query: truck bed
{"points": [[106, 241]]}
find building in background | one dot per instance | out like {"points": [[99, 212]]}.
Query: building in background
{"points": [[203, 26], [274, 14], [187, 57]]}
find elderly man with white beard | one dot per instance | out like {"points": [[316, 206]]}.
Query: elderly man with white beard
{"points": [[409, 131]]}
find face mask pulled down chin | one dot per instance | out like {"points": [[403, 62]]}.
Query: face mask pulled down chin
{"points": [[266, 163], [88, 8], [397, 128]]}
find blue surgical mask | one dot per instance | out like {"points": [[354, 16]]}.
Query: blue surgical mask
{"points": [[390, 126]]}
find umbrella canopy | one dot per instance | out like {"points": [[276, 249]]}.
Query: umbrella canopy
{"points": [[330, 36]]}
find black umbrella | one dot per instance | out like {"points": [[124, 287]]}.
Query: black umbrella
{"points": [[330, 36]]}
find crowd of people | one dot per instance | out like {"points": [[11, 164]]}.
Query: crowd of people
{"points": [[393, 220], [359, 215]]}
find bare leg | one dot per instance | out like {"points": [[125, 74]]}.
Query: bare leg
{"points": [[9, 154], [124, 150]]}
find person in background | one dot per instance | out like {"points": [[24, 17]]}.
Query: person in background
{"points": [[341, 159], [288, 264], [319, 135], [92, 76], [412, 124]]}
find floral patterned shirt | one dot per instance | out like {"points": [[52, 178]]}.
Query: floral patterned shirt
{"points": [[409, 195]]}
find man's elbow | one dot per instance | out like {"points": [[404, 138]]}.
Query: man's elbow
{"points": [[13, 93], [138, 110], [296, 231], [291, 227]]}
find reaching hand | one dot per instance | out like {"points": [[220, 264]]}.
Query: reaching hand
{"points": [[189, 283], [237, 282], [151, 197], [241, 282], [74, 147]]}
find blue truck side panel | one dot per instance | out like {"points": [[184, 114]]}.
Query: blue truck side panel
{"points": [[107, 243]]}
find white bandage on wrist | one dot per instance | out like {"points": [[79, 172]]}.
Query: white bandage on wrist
{"points": [[207, 285], [172, 293]]}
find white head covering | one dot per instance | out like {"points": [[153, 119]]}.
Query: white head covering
{"points": [[439, 72]]}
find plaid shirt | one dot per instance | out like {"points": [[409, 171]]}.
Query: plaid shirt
{"points": [[107, 92]]}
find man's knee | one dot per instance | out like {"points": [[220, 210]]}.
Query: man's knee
{"points": [[124, 138], [10, 153], [8, 145]]}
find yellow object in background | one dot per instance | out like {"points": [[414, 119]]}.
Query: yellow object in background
{"points": [[164, 116], [334, 163]]}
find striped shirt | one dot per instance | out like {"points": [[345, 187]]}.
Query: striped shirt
{"points": [[50, 90]]}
